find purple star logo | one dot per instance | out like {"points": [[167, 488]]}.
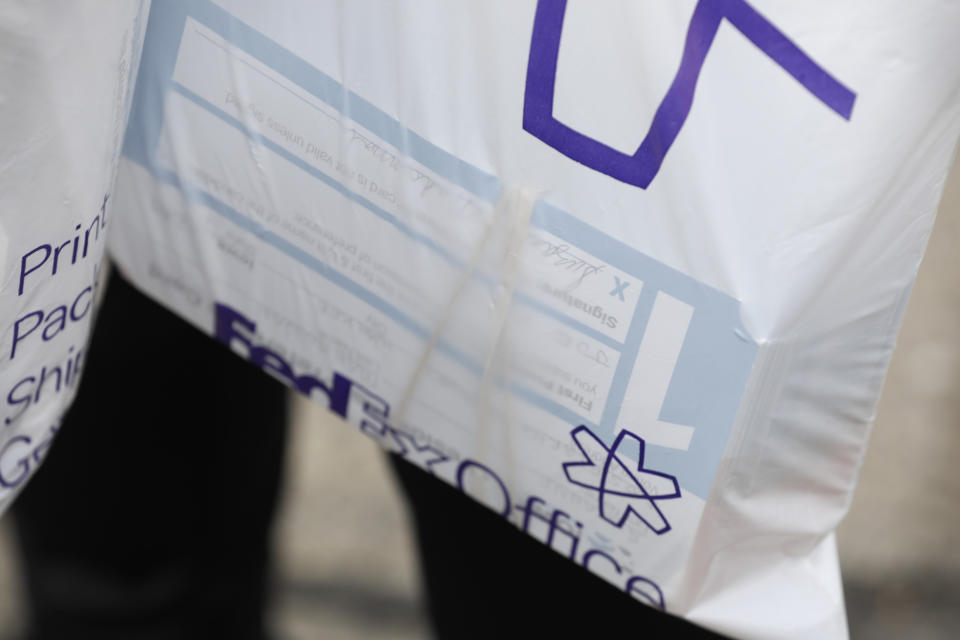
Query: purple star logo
{"points": [[620, 490]]}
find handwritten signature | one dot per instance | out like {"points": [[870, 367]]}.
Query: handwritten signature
{"points": [[564, 258]]}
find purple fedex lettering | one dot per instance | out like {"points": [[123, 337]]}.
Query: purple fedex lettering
{"points": [[557, 527], [39, 257], [237, 332], [551, 526], [55, 321], [476, 493], [12, 474], [642, 167], [21, 455]]}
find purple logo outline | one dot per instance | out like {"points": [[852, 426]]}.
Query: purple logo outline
{"points": [[595, 474], [642, 167]]}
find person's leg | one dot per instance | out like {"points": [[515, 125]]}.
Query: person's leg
{"points": [[486, 579], [151, 516]]}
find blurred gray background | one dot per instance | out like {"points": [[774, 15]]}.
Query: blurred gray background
{"points": [[346, 560]]}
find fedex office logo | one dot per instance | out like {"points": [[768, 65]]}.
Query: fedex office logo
{"points": [[621, 491], [532, 514], [641, 168]]}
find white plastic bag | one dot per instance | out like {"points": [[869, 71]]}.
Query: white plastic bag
{"points": [[628, 273], [67, 73]]}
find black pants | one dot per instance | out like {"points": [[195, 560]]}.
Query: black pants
{"points": [[151, 516]]}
